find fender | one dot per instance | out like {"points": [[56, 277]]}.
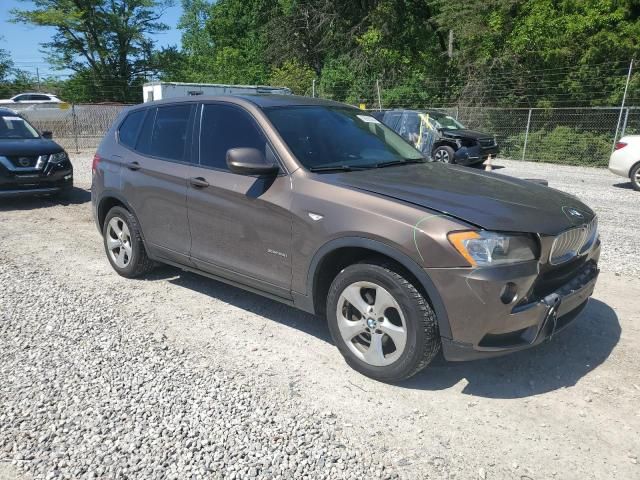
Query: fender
{"points": [[105, 194], [384, 249], [447, 142]]}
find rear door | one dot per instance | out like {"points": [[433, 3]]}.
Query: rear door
{"points": [[240, 225], [154, 178]]}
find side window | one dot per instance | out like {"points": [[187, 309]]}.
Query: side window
{"points": [[168, 136], [410, 127], [40, 97], [391, 119], [21, 98], [128, 131], [224, 127]]}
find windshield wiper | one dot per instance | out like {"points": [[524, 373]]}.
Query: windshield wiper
{"points": [[338, 168], [398, 162]]}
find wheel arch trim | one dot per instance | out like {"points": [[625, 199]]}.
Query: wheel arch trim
{"points": [[388, 251], [107, 194]]}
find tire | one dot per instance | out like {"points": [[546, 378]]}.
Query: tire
{"points": [[385, 358], [444, 154], [125, 250], [634, 176]]}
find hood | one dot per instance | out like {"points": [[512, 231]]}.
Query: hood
{"points": [[28, 146], [464, 133], [485, 199]]}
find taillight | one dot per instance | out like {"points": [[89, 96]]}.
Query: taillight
{"points": [[96, 161], [620, 145]]}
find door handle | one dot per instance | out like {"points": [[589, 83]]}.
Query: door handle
{"points": [[133, 166], [198, 182]]}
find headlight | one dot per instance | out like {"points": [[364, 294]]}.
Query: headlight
{"points": [[482, 248], [58, 157]]}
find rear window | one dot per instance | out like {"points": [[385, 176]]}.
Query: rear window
{"points": [[128, 132], [164, 132], [169, 136]]}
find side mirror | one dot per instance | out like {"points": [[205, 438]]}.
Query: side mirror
{"points": [[47, 134], [250, 161]]}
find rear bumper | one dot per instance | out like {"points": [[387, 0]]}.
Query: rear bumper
{"points": [[620, 165], [483, 326]]}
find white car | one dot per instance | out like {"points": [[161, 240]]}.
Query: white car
{"points": [[625, 159], [32, 97]]}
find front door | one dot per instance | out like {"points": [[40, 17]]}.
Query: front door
{"points": [[240, 225]]}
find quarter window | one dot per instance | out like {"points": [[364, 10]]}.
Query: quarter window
{"points": [[224, 127], [128, 132]]}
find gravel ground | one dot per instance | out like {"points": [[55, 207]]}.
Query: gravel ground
{"points": [[84, 396], [178, 376]]}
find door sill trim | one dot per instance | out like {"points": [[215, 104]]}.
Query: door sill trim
{"points": [[228, 281]]}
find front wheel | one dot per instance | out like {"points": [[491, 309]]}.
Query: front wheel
{"points": [[380, 322], [635, 177], [444, 154]]}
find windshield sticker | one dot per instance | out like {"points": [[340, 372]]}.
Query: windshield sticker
{"points": [[367, 119]]}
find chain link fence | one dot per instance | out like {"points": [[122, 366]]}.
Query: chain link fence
{"points": [[577, 136], [75, 127], [580, 136]]}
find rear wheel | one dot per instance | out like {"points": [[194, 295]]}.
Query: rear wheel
{"points": [[635, 177], [380, 322], [444, 154], [123, 244]]}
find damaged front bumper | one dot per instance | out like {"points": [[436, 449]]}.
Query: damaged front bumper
{"points": [[474, 154], [483, 325]]}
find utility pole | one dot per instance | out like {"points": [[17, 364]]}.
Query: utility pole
{"points": [[38, 77], [313, 88], [450, 47], [624, 98], [379, 98]]}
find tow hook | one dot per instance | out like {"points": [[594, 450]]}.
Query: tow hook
{"points": [[553, 302]]}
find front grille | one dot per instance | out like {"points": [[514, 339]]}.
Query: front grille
{"points": [[487, 142], [569, 244], [24, 161]]}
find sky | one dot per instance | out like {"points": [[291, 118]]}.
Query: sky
{"points": [[23, 42]]}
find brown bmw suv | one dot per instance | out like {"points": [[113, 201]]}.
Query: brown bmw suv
{"points": [[318, 205]]}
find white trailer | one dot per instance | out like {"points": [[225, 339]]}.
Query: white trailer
{"points": [[159, 90]]}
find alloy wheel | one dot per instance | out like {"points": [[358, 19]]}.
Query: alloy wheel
{"points": [[442, 155], [371, 323], [119, 242]]}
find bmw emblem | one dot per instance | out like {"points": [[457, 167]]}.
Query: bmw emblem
{"points": [[575, 213]]}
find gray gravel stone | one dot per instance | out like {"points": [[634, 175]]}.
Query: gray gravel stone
{"points": [[82, 395]]}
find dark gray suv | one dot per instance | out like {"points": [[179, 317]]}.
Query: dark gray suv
{"points": [[318, 205]]}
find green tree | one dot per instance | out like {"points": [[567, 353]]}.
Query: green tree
{"points": [[298, 77], [105, 42]]}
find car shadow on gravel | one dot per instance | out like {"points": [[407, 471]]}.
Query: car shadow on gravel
{"points": [[251, 302], [555, 364], [76, 196], [624, 185]]}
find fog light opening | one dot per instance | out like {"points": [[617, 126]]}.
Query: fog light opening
{"points": [[509, 293]]}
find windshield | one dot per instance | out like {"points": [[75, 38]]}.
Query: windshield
{"points": [[322, 137], [442, 121], [16, 127]]}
